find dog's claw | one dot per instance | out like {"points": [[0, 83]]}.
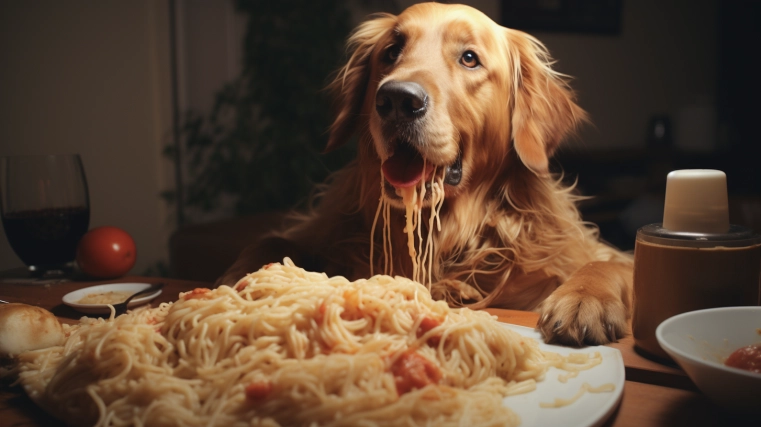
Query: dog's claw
{"points": [[580, 341], [557, 326], [611, 332]]}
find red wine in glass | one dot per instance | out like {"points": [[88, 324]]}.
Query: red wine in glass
{"points": [[45, 209]]}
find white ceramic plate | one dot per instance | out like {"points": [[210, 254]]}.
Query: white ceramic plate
{"points": [[71, 298], [701, 340], [592, 409]]}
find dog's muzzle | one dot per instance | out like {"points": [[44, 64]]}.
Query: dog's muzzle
{"points": [[402, 105]]}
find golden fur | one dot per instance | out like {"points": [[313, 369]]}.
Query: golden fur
{"points": [[510, 235]]}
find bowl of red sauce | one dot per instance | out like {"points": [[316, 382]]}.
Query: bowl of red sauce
{"points": [[720, 350]]}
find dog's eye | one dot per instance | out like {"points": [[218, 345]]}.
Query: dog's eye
{"points": [[469, 59], [392, 53]]}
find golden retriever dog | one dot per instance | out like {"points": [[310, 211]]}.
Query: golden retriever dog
{"points": [[443, 99]]}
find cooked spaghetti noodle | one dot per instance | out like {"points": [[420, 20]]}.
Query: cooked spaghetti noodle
{"points": [[412, 198], [289, 347]]}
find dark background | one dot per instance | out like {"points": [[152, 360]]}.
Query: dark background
{"points": [[737, 113]]}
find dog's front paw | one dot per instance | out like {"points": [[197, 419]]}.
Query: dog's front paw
{"points": [[576, 316]]}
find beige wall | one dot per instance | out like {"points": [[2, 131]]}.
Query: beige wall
{"points": [[92, 77]]}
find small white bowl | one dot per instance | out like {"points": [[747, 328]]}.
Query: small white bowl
{"points": [[699, 341], [71, 299]]}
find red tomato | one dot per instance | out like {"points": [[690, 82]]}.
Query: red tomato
{"points": [[106, 253]]}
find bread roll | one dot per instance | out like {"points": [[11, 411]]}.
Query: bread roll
{"points": [[25, 327]]}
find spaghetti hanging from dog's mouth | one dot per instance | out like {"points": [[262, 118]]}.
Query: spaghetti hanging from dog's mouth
{"points": [[408, 176], [406, 167], [421, 252]]}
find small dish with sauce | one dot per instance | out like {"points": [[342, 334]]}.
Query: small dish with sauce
{"points": [[701, 342], [95, 299]]}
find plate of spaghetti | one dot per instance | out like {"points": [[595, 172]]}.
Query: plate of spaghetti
{"points": [[285, 346]]}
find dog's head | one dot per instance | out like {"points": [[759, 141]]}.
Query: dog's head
{"points": [[446, 87]]}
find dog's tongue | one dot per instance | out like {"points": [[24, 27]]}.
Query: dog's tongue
{"points": [[405, 167]]}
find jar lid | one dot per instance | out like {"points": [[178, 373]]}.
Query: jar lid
{"points": [[737, 236]]}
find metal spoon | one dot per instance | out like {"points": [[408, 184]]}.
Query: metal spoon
{"points": [[121, 307]]}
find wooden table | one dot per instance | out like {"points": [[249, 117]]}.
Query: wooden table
{"points": [[655, 394]]}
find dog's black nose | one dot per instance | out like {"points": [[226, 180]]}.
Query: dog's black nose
{"points": [[401, 100]]}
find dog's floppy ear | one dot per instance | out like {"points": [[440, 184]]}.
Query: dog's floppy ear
{"points": [[544, 110], [350, 84]]}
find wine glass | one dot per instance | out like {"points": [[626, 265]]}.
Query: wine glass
{"points": [[45, 210]]}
